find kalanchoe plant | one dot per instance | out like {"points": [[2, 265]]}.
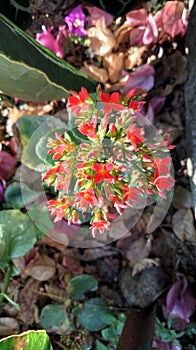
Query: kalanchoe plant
{"points": [[105, 164]]}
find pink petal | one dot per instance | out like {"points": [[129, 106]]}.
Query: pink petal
{"points": [[142, 77], [154, 106], [158, 17], [180, 302], [137, 17], [96, 13], [151, 31], [48, 40], [172, 19], [136, 36]]}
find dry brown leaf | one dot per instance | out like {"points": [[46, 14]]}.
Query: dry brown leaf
{"points": [[144, 264], [42, 269], [55, 293], [8, 326], [28, 297], [137, 250], [52, 243], [122, 34], [98, 74], [183, 226], [182, 198], [114, 63], [135, 57], [102, 38], [173, 72], [96, 253]]}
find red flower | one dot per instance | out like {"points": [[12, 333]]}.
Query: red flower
{"points": [[163, 183], [135, 105], [134, 135], [58, 207], [111, 102], [51, 174], [60, 146], [100, 226], [130, 194], [103, 172], [79, 101], [83, 199], [161, 166], [88, 129]]}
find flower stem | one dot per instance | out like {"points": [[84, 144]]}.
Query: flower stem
{"points": [[6, 282]]}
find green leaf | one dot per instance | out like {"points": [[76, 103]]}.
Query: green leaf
{"points": [[31, 129], [29, 71], [54, 317], [29, 340], [18, 11], [40, 217], [81, 284], [91, 314], [15, 199], [100, 346], [17, 234]]}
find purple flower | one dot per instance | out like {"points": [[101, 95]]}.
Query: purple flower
{"points": [[47, 39], [75, 21], [180, 303]]}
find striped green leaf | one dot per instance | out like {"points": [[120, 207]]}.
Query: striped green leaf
{"points": [[31, 72]]}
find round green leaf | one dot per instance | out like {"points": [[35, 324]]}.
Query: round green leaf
{"points": [[54, 317], [17, 234], [14, 199], [91, 314], [81, 284]]}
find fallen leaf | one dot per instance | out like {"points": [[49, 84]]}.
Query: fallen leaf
{"points": [[98, 74], [102, 38], [144, 264], [7, 165], [8, 326], [172, 72], [135, 57], [182, 198], [137, 250], [122, 34], [42, 269], [55, 293], [28, 297], [52, 243], [183, 226], [114, 63]]}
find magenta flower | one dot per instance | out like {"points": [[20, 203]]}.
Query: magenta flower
{"points": [[75, 21], [180, 303], [47, 39]]}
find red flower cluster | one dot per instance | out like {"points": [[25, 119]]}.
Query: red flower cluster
{"points": [[110, 166]]}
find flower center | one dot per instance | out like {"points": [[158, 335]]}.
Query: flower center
{"points": [[77, 22]]}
